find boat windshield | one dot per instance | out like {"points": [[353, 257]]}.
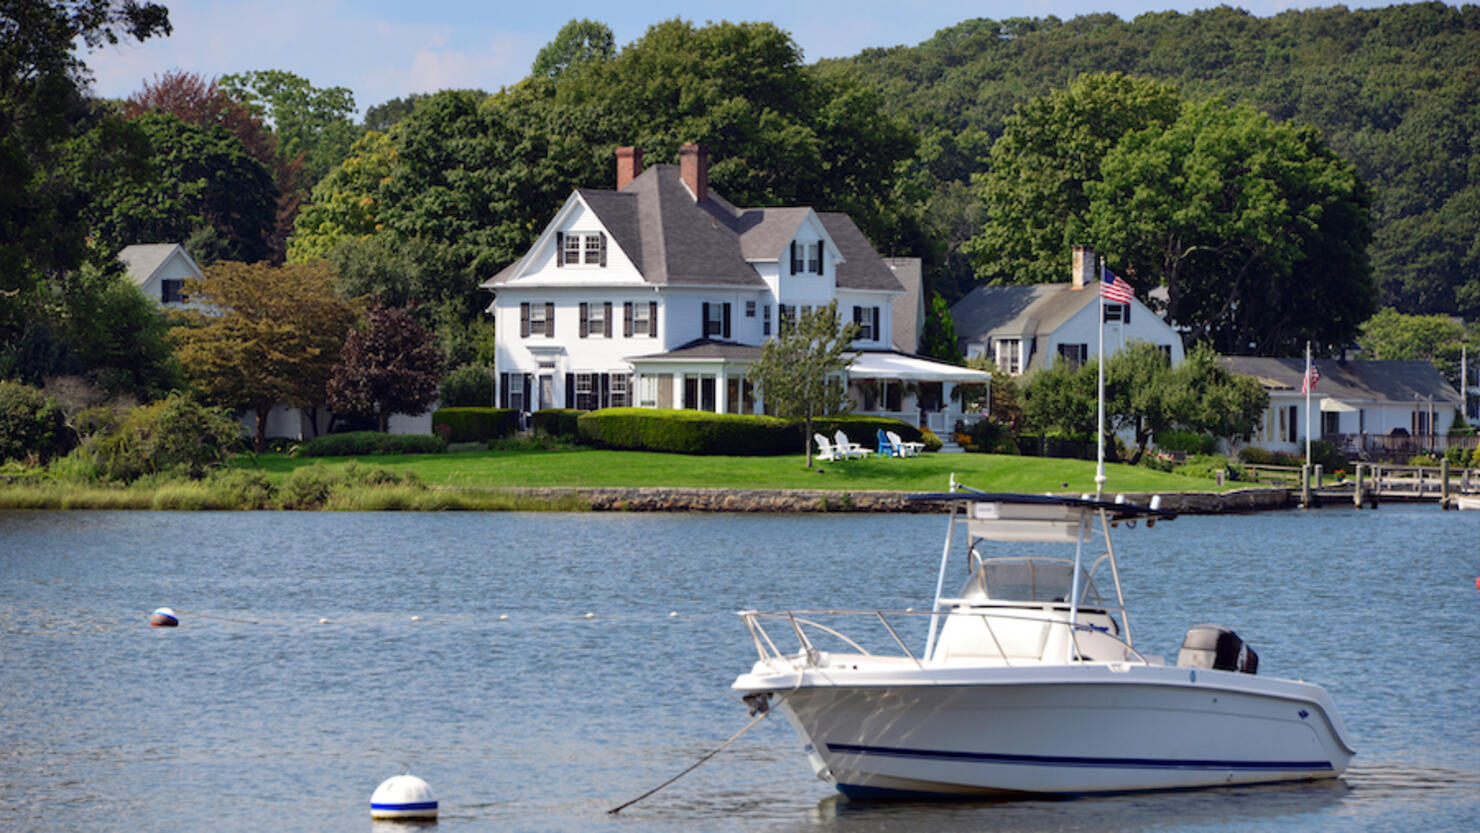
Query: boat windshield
{"points": [[1018, 579]]}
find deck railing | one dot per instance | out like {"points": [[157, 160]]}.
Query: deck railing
{"points": [[807, 655]]}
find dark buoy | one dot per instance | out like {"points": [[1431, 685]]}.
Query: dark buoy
{"points": [[164, 617]]}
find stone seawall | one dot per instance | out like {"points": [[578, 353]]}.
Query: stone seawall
{"points": [[664, 499]]}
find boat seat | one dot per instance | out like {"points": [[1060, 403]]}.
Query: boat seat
{"points": [[971, 637]]}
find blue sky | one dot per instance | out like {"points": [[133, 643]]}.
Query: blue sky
{"points": [[381, 49]]}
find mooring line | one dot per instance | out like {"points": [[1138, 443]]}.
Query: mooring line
{"points": [[214, 616], [759, 715]]}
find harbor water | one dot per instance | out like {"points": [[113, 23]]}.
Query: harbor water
{"points": [[321, 653]]}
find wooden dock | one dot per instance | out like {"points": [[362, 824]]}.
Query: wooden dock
{"points": [[1372, 483]]}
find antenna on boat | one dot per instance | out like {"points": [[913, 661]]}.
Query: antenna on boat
{"points": [[1100, 428]]}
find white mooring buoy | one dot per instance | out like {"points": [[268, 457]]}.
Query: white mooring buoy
{"points": [[403, 797], [164, 617]]}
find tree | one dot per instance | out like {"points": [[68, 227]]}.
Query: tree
{"points": [[42, 107], [259, 335], [1257, 229], [1034, 191], [577, 42], [1434, 338], [800, 371], [939, 339], [346, 204], [308, 121], [390, 367]]}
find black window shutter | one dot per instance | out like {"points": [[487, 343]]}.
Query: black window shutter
{"points": [[796, 265], [858, 315], [1126, 316], [606, 390], [503, 390], [570, 390], [528, 405], [603, 251], [585, 319], [524, 320], [821, 255], [877, 335], [606, 320], [704, 317], [652, 319], [550, 320], [627, 319], [559, 249], [727, 319]]}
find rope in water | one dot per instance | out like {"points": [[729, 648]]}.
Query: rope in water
{"points": [[214, 616], [620, 807]]}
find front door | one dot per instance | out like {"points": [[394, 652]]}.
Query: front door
{"points": [[547, 391]]}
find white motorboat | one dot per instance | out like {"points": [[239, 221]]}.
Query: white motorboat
{"points": [[1028, 682], [1466, 501]]}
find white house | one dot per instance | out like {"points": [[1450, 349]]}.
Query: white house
{"points": [[1032, 326], [1356, 405], [660, 293], [160, 270]]}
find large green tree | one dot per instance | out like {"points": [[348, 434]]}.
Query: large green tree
{"points": [[577, 41], [1258, 231], [1440, 339], [800, 371], [261, 335], [309, 122]]}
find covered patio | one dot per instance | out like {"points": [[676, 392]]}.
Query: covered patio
{"points": [[912, 389]]}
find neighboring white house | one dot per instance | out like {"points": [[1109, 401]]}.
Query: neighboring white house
{"points": [[1026, 327], [1357, 405], [660, 293], [161, 269]]}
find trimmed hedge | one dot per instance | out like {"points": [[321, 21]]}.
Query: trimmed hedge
{"points": [[557, 422], [474, 425], [362, 443], [739, 435]]}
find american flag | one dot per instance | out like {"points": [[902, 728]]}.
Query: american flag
{"points": [[1115, 289], [1312, 375]]}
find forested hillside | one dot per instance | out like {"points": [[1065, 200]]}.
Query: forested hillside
{"points": [[1395, 91]]}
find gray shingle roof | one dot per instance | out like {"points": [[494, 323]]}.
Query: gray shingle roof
{"points": [[1351, 381], [707, 348], [675, 242], [1013, 310], [143, 259]]}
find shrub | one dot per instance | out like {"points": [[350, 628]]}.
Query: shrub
{"points": [[315, 486], [689, 432], [1423, 460], [932, 442], [174, 434], [557, 422], [469, 386], [1187, 441], [1207, 466], [475, 425], [988, 436], [365, 443], [32, 426]]}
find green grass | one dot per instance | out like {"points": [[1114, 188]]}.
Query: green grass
{"points": [[595, 468]]}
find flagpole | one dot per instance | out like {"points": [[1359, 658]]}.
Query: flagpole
{"points": [[1100, 431], [1307, 385]]}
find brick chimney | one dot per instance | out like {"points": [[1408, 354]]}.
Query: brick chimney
{"points": [[693, 163], [629, 165], [1083, 270]]}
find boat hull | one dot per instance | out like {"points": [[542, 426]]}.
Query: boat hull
{"points": [[1070, 730]]}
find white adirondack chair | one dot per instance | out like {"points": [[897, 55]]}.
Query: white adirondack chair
{"points": [[825, 450], [904, 449], [846, 447]]}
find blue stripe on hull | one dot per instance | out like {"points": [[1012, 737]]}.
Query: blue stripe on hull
{"points": [[1075, 761], [411, 805]]}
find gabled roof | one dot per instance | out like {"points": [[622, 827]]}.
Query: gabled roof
{"points": [[142, 260], [1022, 309], [674, 241], [1351, 381]]}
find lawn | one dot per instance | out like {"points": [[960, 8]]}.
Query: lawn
{"points": [[592, 467]]}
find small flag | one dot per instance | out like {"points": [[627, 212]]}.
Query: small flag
{"points": [[1311, 377], [1115, 289]]}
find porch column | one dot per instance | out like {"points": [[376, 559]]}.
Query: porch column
{"points": [[722, 390]]}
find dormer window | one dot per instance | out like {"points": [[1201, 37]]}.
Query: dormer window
{"points": [[169, 291], [806, 257], [814, 257], [575, 248]]}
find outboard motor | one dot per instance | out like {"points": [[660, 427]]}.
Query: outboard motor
{"points": [[1214, 646]]}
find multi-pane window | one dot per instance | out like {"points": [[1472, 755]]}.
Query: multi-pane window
{"points": [[572, 248], [765, 319], [642, 320], [593, 249], [1074, 354], [1008, 358], [576, 248], [539, 321], [750, 309], [514, 391], [814, 257], [1118, 312], [867, 319], [584, 399], [169, 291], [788, 317], [621, 384]]}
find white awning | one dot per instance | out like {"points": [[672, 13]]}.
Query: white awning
{"points": [[1330, 405], [897, 366]]}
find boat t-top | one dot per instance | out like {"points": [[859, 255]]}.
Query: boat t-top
{"points": [[1029, 681]]}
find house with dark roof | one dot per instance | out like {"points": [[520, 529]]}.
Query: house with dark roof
{"points": [[1360, 406], [660, 294], [1030, 326]]}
